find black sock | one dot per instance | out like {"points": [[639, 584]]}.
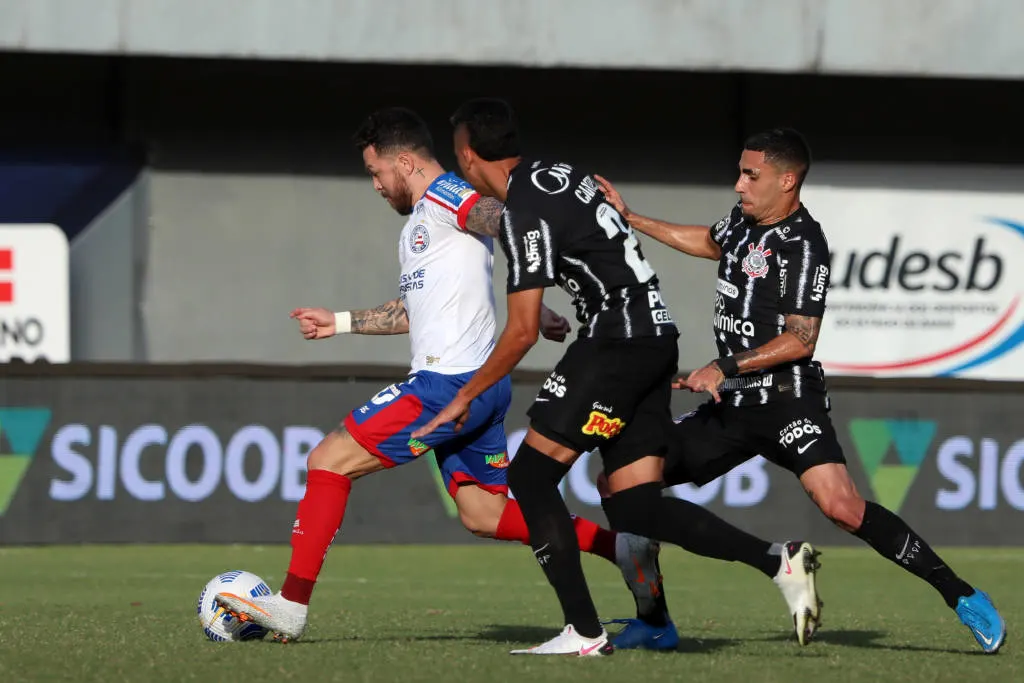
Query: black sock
{"points": [[533, 478], [893, 539], [692, 528]]}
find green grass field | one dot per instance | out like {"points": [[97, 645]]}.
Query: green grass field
{"points": [[402, 613]]}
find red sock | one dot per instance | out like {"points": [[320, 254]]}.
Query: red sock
{"points": [[316, 524], [592, 538], [595, 539]]}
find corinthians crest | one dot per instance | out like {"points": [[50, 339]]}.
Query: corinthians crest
{"points": [[755, 263]]}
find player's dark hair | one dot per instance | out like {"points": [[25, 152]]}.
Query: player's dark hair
{"points": [[783, 148], [394, 130], [491, 124]]}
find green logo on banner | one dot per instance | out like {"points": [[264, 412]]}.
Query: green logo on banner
{"points": [[21, 430], [874, 439]]}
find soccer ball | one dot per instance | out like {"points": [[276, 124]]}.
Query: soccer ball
{"points": [[218, 625]]}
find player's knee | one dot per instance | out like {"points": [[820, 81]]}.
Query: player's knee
{"points": [[338, 452], [635, 510], [531, 469]]}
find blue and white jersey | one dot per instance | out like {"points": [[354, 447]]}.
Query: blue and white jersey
{"points": [[446, 281]]}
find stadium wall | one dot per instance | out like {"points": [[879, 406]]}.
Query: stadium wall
{"points": [[256, 202], [206, 453], [921, 37]]}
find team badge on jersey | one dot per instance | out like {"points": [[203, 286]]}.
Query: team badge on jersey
{"points": [[755, 263], [419, 240]]}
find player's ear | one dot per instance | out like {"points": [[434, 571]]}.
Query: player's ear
{"points": [[405, 162], [788, 180]]}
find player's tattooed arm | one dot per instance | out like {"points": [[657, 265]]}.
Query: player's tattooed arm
{"points": [[805, 328], [485, 217], [388, 318], [797, 341]]}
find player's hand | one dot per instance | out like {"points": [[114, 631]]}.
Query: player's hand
{"points": [[315, 323], [553, 326], [708, 379], [612, 196], [457, 411]]}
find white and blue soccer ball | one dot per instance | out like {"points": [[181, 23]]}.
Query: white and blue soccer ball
{"points": [[218, 625]]}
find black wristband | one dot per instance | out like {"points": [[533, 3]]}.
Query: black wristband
{"points": [[728, 366]]}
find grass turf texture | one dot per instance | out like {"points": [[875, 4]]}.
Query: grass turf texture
{"points": [[421, 613]]}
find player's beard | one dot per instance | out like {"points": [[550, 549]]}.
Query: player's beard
{"points": [[401, 198]]}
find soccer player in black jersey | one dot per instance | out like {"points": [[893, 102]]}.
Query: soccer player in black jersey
{"points": [[769, 396], [612, 387]]}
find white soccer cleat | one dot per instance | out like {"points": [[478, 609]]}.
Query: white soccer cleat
{"points": [[568, 642], [796, 579], [637, 558], [284, 618]]}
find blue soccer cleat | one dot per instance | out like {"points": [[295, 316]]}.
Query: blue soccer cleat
{"points": [[977, 613], [639, 634]]}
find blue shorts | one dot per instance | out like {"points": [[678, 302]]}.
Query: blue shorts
{"points": [[475, 455]]}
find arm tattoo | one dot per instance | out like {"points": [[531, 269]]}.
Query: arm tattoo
{"points": [[781, 349], [485, 217], [388, 318], [805, 328]]}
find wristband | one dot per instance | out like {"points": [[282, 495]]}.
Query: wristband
{"points": [[728, 366], [342, 322]]}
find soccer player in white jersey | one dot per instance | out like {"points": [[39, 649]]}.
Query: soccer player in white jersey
{"points": [[446, 305]]}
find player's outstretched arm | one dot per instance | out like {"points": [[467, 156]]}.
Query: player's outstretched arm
{"points": [[485, 217], [388, 318], [694, 240], [798, 340], [320, 323], [520, 334]]}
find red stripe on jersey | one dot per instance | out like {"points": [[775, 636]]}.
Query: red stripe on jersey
{"points": [[441, 202], [464, 209], [6, 292]]}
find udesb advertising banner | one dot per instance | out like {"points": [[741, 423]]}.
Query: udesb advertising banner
{"points": [[222, 460], [924, 282]]}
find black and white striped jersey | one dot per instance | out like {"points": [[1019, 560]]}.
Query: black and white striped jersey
{"points": [[558, 229], [765, 273]]}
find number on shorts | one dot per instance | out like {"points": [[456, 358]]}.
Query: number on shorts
{"points": [[610, 220], [386, 395]]}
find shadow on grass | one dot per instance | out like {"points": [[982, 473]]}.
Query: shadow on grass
{"points": [[519, 636], [868, 640]]}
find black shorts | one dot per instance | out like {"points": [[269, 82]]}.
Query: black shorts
{"points": [[612, 394], [796, 434]]}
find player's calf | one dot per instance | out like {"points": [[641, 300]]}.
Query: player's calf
{"points": [[480, 511]]}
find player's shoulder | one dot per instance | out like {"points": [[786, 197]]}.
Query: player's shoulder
{"points": [[547, 183], [450, 191], [728, 221], [802, 227], [448, 200]]}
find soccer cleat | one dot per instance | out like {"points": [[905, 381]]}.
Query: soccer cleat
{"points": [[637, 558], [796, 579], [638, 634], [283, 618], [568, 642], [977, 613]]}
